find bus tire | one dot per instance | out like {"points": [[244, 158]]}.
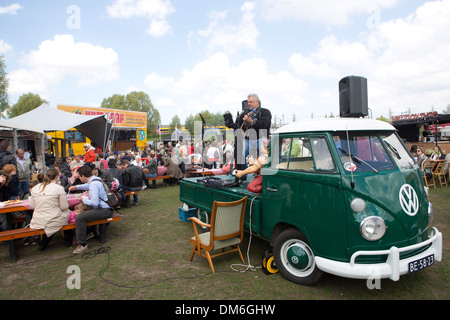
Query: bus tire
{"points": [[295, 259]]}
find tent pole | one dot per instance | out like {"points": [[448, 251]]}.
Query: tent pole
{"points": [[15, 142]]}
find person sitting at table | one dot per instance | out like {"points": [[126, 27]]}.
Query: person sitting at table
{"points": [[137, 161], [77, 162], [191, 166], [421, 157], [11, 190], [151, 169], [133, 177], [117, 173], [73, 180], [173, 170], [51, 209], [62, 180], [5, 178], [437, 153], [97, 200]]}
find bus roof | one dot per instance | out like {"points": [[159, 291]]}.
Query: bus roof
{"points": [[336, 124]]}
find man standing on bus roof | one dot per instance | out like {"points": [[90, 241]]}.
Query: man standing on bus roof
{"points": [[259, 124], [90, 153]]}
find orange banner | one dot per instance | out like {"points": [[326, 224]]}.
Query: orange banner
{"points": [[121, 118]]}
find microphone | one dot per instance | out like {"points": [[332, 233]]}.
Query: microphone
{"points": [[203, 120]]}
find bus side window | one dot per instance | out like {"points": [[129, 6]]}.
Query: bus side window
{"points": [[322, 155]]}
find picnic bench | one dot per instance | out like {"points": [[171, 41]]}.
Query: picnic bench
{"points": [[147, 181], [128, 195], [11, 235]]}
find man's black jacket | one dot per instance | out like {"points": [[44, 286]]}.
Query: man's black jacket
{"points": [[261, 123], [133, 176]]}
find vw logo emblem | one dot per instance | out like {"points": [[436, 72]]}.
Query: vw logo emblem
{"points": [[408, 200], [294, 260]]}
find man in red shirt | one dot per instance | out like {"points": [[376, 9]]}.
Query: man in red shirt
{"points": [[90, 153]]}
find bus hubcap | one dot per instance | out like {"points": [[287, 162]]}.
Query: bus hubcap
{"points": [[298, 257]]}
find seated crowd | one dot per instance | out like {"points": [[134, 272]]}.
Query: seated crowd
{"points": [[131, 168]]}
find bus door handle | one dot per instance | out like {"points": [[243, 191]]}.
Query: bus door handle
{"points": [[272, 189]]}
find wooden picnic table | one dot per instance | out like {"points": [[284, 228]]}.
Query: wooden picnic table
{"points": [[24, 205]]}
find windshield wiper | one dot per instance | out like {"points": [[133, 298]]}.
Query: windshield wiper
{"points": [[392, 148], [358, 160]]}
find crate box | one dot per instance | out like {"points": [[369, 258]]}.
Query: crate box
{"points": [[185, 215]]}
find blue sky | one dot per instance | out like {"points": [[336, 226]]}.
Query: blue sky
{"points": [[192, 55]]}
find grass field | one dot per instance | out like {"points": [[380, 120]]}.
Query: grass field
{"points": [[147, 257]]}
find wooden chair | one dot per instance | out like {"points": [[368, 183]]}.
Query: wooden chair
{"points": [[226, 230], [428, 177], [439, 173]]}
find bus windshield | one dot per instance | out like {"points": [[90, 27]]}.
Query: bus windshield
{"points": [[362, 152]]}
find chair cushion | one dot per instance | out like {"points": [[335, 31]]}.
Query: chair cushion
{"points": [[218, 244]]}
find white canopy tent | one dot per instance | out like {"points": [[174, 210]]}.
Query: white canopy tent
{"points": [[47, 119], [18, 126]]}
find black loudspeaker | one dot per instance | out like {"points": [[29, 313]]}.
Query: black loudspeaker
{"points": [[353, 101]]}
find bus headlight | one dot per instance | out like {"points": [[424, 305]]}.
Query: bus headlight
{"points": [[372, 228]]}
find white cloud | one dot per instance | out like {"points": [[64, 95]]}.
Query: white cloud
{"points": [[413, 68], [11, 9], [156, 11], [225, 34], [4, 47], [307, 66], [405, 60], [154, 81], [216, 85], [333, 57], [45, 68], [328, 12], [164, 102]]}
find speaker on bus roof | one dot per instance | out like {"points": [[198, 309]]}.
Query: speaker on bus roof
{"points": [[353, 101]]}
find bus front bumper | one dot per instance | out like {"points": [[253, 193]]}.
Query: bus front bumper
{"points": [[393, 268]]}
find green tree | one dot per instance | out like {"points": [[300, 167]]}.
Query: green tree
{"points": [[135, 101], [174, 122], [211, 120], [26, 102], [116, 101], [189, 124], [384, 119], [4, 103], [446, 110]]}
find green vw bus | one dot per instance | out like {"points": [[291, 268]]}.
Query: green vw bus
{"points": [[341, 196]]}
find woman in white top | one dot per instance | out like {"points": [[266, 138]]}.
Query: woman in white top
{"points": [[51, 209]]}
